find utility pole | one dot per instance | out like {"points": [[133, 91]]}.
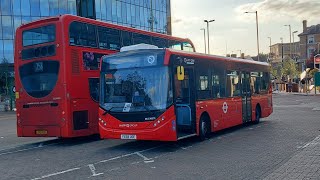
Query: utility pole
{"points": [[204, 38], [208, 21]]}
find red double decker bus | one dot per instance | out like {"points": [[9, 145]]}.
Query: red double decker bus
{"points": [[57, 71], [167, 95]]}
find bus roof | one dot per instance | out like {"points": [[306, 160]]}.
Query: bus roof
{"points": [[102, 23], [215, 57]]}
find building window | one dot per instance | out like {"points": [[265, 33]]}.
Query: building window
{"points": [[311, 39], [86, 8], [311, 51]]}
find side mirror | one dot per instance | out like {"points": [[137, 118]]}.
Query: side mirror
{"points": [[180, 73]]}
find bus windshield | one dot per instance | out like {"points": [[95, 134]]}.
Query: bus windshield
{"points": [[39, 35], [136, 89]]}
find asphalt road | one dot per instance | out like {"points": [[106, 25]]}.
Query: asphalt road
{"points": [[244, 152]]}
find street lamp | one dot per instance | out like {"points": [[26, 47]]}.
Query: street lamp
{"points": [[290, 38], [240, 52], [281, 49], [294, 46], [270, 48], [204, 39], [208, 21], [256, 12]]}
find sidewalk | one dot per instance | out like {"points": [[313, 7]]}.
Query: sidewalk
{"points": [[298, 93], [304, 165]]}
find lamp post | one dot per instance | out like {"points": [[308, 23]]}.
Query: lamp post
{"points": [[204, 39], [240, 52], [270, 48], [294, 46], [290, 55], [208, 21], [281, 49], [257, 27]]}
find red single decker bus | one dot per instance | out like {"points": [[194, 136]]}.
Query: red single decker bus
{"points": [[57, 71], [167, 95]]}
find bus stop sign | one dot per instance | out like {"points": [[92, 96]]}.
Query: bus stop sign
{"points": [[317, 79]]}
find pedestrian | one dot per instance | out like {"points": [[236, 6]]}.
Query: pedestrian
{"points": [[290, 86]]}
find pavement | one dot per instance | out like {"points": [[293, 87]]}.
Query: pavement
{"points": [[304, 165]]}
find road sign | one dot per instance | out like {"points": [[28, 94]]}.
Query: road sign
{"points": [[317, 79], [317, 59]]}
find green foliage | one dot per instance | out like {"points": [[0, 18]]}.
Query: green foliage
{"points": [[289, 68]]}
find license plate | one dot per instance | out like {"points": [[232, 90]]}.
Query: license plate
{"points": [[41, 132], [128, 136]]}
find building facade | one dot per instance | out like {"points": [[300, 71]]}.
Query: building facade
{"points": [[281, 51], [150, 15], [309, 42]]}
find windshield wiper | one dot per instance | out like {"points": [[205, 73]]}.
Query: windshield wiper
{"points": [[107, 111]]}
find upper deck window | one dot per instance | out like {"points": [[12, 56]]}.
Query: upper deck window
{"points": [[39, 35]]}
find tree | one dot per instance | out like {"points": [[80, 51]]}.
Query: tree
{"points": [[289, 68], [4, 76]]}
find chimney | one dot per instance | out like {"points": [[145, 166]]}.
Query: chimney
{"points": [[304, 22]]}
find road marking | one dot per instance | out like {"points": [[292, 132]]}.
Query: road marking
{"points": [[93, 170], [1, 137], [21, 150], [57, 173], [145, 159], [126, 155], [312, 142]]}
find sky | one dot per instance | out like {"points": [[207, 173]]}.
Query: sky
{"points": [[233, 30]]}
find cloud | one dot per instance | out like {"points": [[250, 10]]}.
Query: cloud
{"points": [[280, 10]]}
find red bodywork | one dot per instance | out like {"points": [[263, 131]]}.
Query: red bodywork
{"points": [[166, 130], [71, 91]]}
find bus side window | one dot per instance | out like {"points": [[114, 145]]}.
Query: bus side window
{"points": [[187, 47], [102, 33], [113, 38], [175, 45], [82, 34], [159, 42], [74, 32], [91, 35], [141, 38], [126, 38], [218, 83]]}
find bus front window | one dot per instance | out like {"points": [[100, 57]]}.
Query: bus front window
{"points": [[136, 90]]}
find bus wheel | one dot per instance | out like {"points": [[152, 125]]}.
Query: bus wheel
{"points": [[258, 115], [204, 128]]}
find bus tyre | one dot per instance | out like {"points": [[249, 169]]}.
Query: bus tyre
{"points": [[204, 128], [258, 115]]}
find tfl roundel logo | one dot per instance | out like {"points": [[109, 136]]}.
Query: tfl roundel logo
{"points": [[225, 107]]}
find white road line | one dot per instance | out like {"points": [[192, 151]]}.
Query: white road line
{"points": [[21, 150], [93, 170], [145, 159], [91, 166], [57, 173], [126, 155]]}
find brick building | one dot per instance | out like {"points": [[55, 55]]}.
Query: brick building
{"points": [[309, 42]]}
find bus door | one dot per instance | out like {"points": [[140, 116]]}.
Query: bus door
{"points": [[185, 103], [246, 97]]}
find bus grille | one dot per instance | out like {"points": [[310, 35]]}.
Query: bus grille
{"points": [[75, 61]]}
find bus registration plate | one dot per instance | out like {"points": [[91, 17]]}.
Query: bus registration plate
{"points": [[41, 132], [128, 136]]}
